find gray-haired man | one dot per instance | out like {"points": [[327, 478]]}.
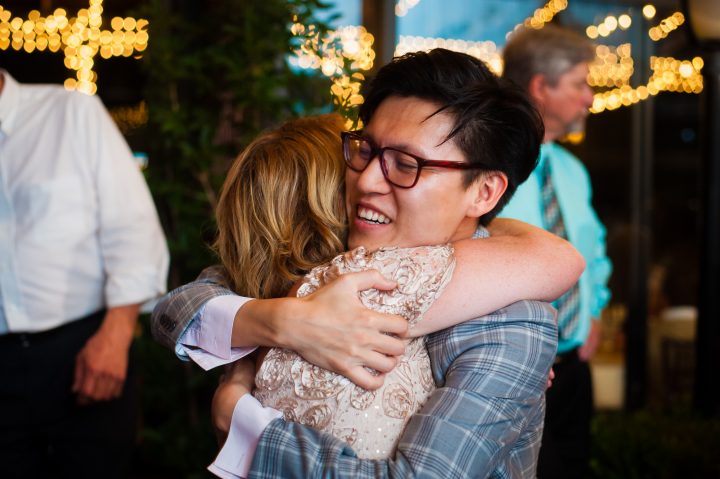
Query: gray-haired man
{"points": [[551, 64]]}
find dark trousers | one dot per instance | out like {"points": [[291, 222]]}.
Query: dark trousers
{"points": [[43, 432], [565, 450]]}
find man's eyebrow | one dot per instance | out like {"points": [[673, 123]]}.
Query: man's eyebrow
{"points": [[404, 147], [408, 148], [364, 134]]}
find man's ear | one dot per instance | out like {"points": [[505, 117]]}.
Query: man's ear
{"points": [[537, 89], [487, 190]]}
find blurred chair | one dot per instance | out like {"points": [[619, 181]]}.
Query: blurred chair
{"points": [[676, 335]]}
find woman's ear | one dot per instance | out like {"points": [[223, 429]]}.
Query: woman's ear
{"points": [[486, 191]]}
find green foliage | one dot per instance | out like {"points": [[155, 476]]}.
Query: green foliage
{"points": [[217, 75], [655, 446], [176, 438]]}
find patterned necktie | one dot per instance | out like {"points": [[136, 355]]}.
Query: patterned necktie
{"points": [[568, 305]]}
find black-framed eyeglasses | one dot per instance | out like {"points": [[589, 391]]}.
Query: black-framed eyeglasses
{"points": [[398, 167]]}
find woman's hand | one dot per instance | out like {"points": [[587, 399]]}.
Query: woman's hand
{"points": [[330, 328], [238, 380], [551, 376]]}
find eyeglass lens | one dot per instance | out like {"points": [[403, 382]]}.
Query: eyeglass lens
{"points": [[399, 168]]}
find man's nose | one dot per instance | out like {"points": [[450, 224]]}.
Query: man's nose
{"points": [[371, 179]]}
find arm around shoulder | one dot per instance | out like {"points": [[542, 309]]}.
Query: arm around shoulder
{"points": [[544, 264], [518, 261], [175, 310], [329, 328]]}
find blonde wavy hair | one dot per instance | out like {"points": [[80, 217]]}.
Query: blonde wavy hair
{"points": [[281, 210]]}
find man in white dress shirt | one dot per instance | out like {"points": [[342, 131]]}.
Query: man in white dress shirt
{"points": [[81, 248]]}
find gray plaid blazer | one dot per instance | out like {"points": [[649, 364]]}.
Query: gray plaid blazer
{"points": [[174, 311], [484, 420]]}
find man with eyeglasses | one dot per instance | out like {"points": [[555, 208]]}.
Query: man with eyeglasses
{"points": [[452, 142]]}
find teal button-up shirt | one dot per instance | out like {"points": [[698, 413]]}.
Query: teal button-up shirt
{"points": [[584, 230]]}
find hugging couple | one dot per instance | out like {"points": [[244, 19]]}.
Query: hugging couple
{"points": [[407, 327]]}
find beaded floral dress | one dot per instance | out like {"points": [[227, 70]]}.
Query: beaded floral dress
{"points": [[369, 421]]}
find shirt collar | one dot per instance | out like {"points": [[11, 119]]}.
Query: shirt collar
{"points": [[545, 154], [480, 232], [9, 99]]}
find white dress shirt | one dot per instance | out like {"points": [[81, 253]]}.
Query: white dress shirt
{"points": [[206, 342], [207, 339], [249, 421], [78, 228]]}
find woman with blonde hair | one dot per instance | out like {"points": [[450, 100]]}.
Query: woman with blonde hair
{"points": [[280, 212], [281, 215]]}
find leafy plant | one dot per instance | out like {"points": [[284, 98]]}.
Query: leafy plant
{"points": [[651, 445], [216, 74]]}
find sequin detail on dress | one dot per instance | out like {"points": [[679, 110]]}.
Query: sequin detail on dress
{"points": [[370, 421]]}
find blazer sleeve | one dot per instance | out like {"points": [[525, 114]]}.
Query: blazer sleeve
{"points": [[485, 417], [175, 311]]}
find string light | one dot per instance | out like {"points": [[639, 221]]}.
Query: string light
{"points": [[541, 16], [80, 38], [342, 55], [608, 26], [545, 14], [649, 11], [666, 26], [625, 21], [612, 67], [485, 51], [669, 74], [402, 7]]}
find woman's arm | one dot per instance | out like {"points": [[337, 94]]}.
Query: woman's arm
{"points": [[518, 261], [329, 327]]}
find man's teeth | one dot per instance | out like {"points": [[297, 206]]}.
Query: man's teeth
{"points": [[373, 216]]}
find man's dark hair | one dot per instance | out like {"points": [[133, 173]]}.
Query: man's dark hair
{"points": [[495, 125]]}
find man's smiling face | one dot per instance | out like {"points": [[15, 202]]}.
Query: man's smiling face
{"points": [[435, 210]]}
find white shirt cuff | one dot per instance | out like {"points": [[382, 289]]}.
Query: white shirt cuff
{"points": [[207, 339], [249, 420]]}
